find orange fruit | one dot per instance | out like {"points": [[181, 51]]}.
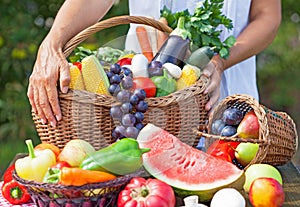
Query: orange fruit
{"points": [[52, 147]]}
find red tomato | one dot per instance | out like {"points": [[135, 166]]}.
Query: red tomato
{"points": [[146, 193], [124, 61], [146, 84], [61, 164]]}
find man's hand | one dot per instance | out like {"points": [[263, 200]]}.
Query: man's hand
{"points": [[213, 71], [50, 67]]}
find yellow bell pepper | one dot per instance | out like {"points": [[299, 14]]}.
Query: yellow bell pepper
{"points": [[35, 165]]}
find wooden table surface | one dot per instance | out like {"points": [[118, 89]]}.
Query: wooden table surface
{"points": [[291, 183]]}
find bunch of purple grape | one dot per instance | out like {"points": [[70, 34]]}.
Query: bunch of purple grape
{"points": [[129, 112]]}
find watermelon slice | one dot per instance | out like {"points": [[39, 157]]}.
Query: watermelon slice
{"points": [[188, 170]]}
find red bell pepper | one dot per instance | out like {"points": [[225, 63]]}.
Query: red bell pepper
{"points": [[141, 192], [8, 173], [223, 149], [15, 193], [12, 191]]}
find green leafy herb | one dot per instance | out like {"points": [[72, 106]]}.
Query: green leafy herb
{"points": [[80, 53], [204, 25]]}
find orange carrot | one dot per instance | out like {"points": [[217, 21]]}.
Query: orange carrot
{"points": [[77, 176], [161, 36], [144, 42]]}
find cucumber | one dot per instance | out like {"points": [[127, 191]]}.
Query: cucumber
{"points": [[201, 57]]}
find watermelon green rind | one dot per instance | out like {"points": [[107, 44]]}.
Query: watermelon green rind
{"points": [[184, 167], [206, 195]]}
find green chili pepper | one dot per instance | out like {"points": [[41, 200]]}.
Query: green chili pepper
{"points": [[164, 84], [120, 158]]}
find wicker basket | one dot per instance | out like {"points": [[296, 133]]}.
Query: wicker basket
{"points": [[278, 139], [86, 115], [102, 194]]}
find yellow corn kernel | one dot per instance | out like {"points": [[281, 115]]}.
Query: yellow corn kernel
{"points": [[94, 76], [76, 81], [188, 77]]}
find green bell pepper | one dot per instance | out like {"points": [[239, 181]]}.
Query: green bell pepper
{"points": [[164, 84], [120, 158]]}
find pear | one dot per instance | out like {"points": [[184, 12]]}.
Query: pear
{"points": [[249, 126], [245, 152]]}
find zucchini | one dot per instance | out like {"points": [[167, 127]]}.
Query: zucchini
{"points": [[201, 57]]}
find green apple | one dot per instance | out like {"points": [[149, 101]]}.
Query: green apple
{"points": [[260, 170], [245, 152]]}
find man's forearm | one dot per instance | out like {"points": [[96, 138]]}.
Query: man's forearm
{"points": [[265, 18], [76, 15]]}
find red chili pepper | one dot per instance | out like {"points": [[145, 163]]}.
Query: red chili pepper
{"points": [[78, 64], [15, 193]]}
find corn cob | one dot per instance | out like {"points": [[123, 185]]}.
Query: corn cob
{"points": [[189, 76], [94, 76], [76, 81]]}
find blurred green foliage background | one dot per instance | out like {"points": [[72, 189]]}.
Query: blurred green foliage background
{"points": [[24, 24]]}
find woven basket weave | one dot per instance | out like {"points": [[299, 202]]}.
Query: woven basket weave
{"points": [[86, 115], [278, 139], [102, 194]]}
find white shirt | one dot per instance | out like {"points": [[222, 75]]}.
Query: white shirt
{"points": [[240, 78]]}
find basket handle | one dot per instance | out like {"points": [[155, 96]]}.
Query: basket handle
{"points": [[235, 139], [114, 21]]}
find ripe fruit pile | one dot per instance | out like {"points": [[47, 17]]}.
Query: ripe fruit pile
{"points": [[239, 120], [264, 186]]}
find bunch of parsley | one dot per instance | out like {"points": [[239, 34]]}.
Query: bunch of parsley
{"points": [[204, 25]]}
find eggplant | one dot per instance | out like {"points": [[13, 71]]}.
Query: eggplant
{"points": [[175, 48]]}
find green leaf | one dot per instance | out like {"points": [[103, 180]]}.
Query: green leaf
{"points": [[196, 20], [230, 41], [206, 40], [204, 28], [204, 25], [205, 16], [224, 53]]}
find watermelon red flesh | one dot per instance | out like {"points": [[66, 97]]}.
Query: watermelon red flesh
{"points": [[181, 165]]}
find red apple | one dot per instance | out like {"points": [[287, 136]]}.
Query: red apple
{"points": [[266, 192]]}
